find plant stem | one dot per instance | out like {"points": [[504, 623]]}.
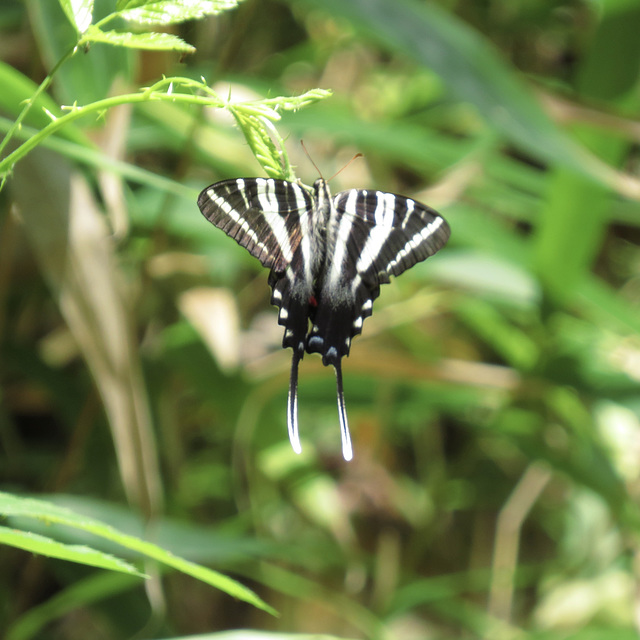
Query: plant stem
{"points": [[95, 107], [44, 85]]}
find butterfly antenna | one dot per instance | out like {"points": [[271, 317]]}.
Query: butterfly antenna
{"points": [[292, 405], [347, 449], [310, 158], [339, 171], [358, 155]]}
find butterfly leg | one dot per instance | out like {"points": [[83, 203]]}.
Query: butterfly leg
{"points": [[347, 449]]}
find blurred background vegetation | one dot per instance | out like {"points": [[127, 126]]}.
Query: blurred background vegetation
{"points": [[493, 396]]}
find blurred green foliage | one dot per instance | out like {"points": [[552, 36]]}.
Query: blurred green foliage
{"points": [[493, 396]]}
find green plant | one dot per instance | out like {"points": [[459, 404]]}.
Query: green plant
{"points": [[493, 395]]}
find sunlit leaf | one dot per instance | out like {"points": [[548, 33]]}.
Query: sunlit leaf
{"points": [[171, 11], [151, 41], [79, 12], [81, 554]]}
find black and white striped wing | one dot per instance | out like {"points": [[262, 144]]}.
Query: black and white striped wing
{"points": [[265, 216], [378, 235], [273, 220], [397, 233]]}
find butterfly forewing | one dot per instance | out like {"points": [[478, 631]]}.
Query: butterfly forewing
{"points": [[398, 232], [263, 215]]}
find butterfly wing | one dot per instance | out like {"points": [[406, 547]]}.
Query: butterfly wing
{"points": [[262, 215], [272, 219], [401, 232], [378, 235]]}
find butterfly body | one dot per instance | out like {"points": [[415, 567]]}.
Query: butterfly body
{"points": [[328, 256]]}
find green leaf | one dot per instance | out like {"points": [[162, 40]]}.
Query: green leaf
{"points": [[79, 12], [76, 76], [469, 65], [170, 11], [74, 553], [11, 505], [562, 256], [151, 41], [512, 343], [255, 121]]}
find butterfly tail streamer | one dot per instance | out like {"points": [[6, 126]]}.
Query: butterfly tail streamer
{"points": [[347, 449], [292, 404]]}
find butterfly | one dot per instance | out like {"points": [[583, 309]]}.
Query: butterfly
{"points": [[328, 256]]}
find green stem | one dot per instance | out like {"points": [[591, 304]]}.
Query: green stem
{"points": [[161, 91], [44, 85], [97, 107]]}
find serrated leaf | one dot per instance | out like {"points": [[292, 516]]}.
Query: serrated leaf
{"points": [[79, 12], [81, 554], [149, 41], [163, 12]]}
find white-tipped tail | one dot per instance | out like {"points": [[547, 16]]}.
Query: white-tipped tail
{"points": [[347, 449], [292, 405]]}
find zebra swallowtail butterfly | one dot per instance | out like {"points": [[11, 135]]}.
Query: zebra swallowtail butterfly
{"points": [[328, 256]]}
